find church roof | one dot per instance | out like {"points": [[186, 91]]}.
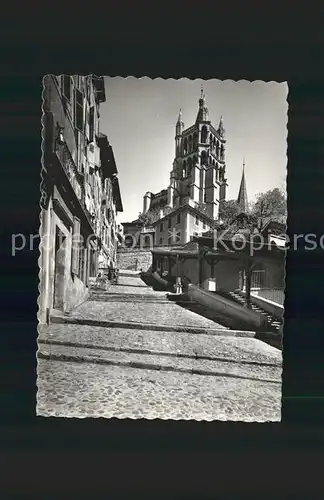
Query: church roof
{"points": [[203, 114]]}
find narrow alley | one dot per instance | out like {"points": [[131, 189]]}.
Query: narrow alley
{"points": [[129, 352]]}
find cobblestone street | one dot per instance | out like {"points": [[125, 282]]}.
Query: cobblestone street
{"points": [[143, 369]]}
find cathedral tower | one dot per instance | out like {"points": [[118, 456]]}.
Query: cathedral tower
{"points": [[198, 174]]}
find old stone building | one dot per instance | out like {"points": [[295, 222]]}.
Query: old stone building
{"points": [[79, 182], [197, 181], [111, 204]]}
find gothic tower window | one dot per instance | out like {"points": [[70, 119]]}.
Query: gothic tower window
{"points": [[217, 149], [210, 139], [204, 158], [184, 168], [194, 161], [222, 152], [185, 146], [190, 143], [204, 134], [214, 144], [189, 166]]}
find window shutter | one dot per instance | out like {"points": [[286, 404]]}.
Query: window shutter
{"points": [[78, 110], [91, 124], [49, 136], [75, 246]]}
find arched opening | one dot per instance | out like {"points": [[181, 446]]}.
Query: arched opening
{"points": [[204, 133], [190, 143], [194, 161], [184, 168], [189, 169], [185, 146], [210, 139], [217, 171], [217, 149], [214, 144], [204, 158], [222, 151]]}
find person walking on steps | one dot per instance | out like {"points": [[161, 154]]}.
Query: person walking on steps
{"points": [[178, 286]]}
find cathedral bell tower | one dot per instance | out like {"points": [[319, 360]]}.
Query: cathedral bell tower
{"points": [[198, 174]]}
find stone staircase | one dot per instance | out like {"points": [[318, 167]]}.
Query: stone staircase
{"points": [[184, 301], [271, 333], [273, 324]]}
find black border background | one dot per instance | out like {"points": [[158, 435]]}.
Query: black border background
{"points": [[281, 41]]}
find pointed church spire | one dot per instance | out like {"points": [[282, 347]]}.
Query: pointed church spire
{"points": [[203, 114], [242, 200], [221, 129], [202, 95], [179, 124]]}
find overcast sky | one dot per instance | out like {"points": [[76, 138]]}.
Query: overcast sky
{"points": [[139, 118]]}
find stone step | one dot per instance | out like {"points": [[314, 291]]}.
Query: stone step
{"points": [[160, 362], [75, 320], [122, 297], [219, 348], [273, 323]]}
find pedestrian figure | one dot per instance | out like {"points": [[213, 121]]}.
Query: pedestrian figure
{"points": [[178, 286], [110, 271]]}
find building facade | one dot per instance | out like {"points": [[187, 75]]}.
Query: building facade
{"points": [[74, 185]]}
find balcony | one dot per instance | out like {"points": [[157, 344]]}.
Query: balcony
{"points": [[75, 177]]}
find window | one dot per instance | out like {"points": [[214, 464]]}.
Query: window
{"points": [[75, 246], [169, 222], [197, 221], [161, 241], [91, 124], [205, 197], [78, 110], [185, 146], [204, 225], [161, 227], [81, 264], [66, 87], [178, 218]]}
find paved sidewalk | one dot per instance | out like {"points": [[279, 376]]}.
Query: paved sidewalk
{"points": [[92, 390], [139, 372]]}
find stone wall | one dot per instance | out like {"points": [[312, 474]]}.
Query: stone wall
{"points": [[134, 259]]}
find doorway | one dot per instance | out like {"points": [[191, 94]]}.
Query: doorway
{"points": [[59, 273]]}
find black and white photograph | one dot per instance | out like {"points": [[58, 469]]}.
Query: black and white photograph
{"points": [[163, 209]]}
